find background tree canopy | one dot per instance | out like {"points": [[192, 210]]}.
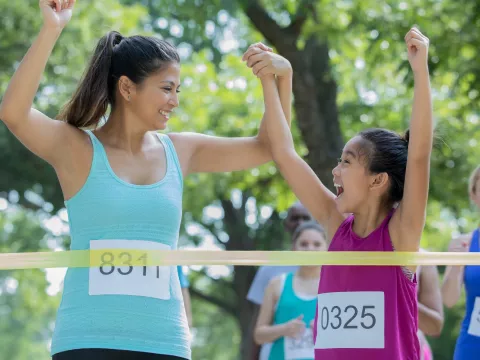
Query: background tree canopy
{"points": [[350, 72]]}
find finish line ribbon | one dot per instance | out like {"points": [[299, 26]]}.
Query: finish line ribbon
{"points": [[128, 257]]}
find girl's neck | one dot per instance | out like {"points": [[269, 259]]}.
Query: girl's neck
{"points": [[368, 221], [309, 272]]}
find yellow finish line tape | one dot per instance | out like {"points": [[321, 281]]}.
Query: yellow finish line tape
{"points": [[128, 257]]}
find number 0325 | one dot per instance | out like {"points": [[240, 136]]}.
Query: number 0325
{"points": [[336, 317], [351, 320]]}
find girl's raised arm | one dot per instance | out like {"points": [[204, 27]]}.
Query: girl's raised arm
{"points": [[304, 182], [408, 222]]}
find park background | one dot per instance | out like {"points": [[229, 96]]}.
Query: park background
{"points": [[350, 73]]}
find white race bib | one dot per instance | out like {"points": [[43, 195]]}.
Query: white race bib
{"points": [[109, 279], [474, 327], [351, 320], [265, 351], [299, 348]]}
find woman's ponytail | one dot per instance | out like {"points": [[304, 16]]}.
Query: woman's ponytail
{"points": [[95, 91]]}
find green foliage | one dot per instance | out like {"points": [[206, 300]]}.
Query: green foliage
{"points": [[444, 346], [213, 342], [26, 316], [26, 311], [230, 105], [220, 96]]}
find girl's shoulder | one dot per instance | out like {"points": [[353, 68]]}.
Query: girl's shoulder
{"points": [[276, 285]]}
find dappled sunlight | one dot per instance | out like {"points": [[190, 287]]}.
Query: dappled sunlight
{"points": [[350, 73]]}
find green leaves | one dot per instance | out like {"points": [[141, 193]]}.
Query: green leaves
{"points": [[26, 311], [221, 97], [230, 105]]}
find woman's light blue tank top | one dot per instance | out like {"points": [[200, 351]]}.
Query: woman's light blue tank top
{"points": [[291, 306], [468, 342], [126, 308]]}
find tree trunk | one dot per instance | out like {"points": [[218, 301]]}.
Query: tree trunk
{"points": [[240, 240], [231, 296], [242, 280], [314, 86], [316, 111]]}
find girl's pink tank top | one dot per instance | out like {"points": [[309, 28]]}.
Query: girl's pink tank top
{"points": [[365, 312]]}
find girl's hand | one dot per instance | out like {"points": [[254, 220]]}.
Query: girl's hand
{"points": [[295, 327], [263, 61], [417, 46], [459, 244]]}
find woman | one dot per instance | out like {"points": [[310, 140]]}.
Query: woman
{"points": [[289, 302], [367, 312], [468, 342], [122, 183]]}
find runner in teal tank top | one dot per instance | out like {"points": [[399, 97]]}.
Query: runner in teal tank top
{"points": [[288, 308], [123, 183]]}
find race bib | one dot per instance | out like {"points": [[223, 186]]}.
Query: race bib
{"points": [[299, 348], [474, 327], [109, 279], [351, 320]]}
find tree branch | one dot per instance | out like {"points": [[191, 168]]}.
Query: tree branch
{"points": [[215, 301], [219, 281], [22, 202], [210, 228], [301, 16], [231, 213], [235, 226], [263, 22]]}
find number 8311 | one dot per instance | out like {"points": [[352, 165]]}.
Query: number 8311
{"points": [[107, 266]]}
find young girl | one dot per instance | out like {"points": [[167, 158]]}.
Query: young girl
{"points": [[468, 342], [367, 312], [296, 215], [123, 185], [288, 308]]}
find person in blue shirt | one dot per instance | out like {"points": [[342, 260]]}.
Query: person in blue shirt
{"points": [[185, 285], [468, 341]]}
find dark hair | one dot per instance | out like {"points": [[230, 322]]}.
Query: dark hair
{"points": [[386, 152], [136, 57], [307, 225]]}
